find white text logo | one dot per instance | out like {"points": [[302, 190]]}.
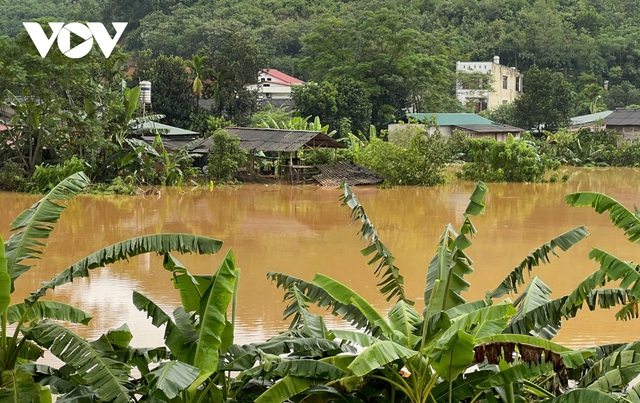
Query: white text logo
{"points": [[89, 32]]}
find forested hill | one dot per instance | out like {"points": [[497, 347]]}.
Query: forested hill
{"points": [[405, 50]]}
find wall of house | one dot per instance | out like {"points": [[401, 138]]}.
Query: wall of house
{"points": [[628, 133], [401, 133], [507, 84]]}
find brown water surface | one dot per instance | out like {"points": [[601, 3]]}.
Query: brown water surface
{"points": [[304, 230]]}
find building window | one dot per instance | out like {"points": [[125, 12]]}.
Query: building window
{"points": [[518, 84], [504, 101], [266, 85], [269, 79], [504, 82]]}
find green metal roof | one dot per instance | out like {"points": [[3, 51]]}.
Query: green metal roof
{"points": [[449, 119], [165, 130], [592, 118]]}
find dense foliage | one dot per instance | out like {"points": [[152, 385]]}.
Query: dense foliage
{"points": [[225, 156], [511, 161], [420, 162]]}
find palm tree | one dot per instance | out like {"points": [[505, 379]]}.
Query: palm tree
{"points": [[198, 72]]}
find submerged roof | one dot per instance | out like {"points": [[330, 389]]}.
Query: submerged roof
{"points": [[623, 117], [448, 119], [273, 140], [591, 118], [491, 128]]}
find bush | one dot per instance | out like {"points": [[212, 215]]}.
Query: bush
{"points": [[225, 157], [583, 147], [317, 156], [421, 163], [627, 155], [510, 161], [12, 177], [46, 177]]}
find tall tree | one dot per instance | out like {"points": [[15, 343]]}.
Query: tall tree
{"points": [[547, 100], [170, 86]]}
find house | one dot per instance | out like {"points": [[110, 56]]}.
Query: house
{"points": [[588, 121], [506, 83], [470, 124], [274, 87], [625, 122]]}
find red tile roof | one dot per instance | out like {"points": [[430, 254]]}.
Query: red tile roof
{"points": [[285, 78]]}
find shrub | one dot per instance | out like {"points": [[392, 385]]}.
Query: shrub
{"points": [[510, 161], [225, 156], [627, 155], [317, 156], [46, 177], [12, 177], [421, 163]]}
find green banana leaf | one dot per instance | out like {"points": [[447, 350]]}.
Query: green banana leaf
{"points": [[359, 338], [391, 282], [284, 389], [5, 280], [583, 396], [321, 298], [174, 338], [539, 256], [346, 296], [310, 325], [46, 310], [619, 215], [212, 316], [19, 387], [108, 378], [379, 354], [171, 378], [453, 361], [159, 243], [35, 224]]}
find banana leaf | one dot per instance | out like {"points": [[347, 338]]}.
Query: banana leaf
{"points": [[379, 354], [541, 255], [46, 310], [284, 389], [619, 215], [321, 298], [36, 223], [212, 316], [171, 378], [108, 378], [159, 243], [391, 282]]}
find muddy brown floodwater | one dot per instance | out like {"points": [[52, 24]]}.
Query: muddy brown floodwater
{"points": [[304, 230]]}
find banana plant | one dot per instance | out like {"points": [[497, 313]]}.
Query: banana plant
{"points": [[421, 356], [34, 320]]}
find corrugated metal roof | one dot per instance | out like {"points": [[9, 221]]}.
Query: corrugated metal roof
{"points": [[591, 118], [491, 128], [273, 140], [623, 117], [165, 130], [335, 175], [449, 119]]}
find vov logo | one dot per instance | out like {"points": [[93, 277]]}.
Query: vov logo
{"points": [[89, 32]]}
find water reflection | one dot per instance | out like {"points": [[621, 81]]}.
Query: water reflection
{"points": [[304, 230]]}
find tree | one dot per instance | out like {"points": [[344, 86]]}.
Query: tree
{"points": [[546, 102], [198, 72], [171, 89], [342, 103], [225, 156], [67, 108]]}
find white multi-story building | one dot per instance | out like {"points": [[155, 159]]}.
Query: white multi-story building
{"points": [[505, 82], [274, 86]]}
